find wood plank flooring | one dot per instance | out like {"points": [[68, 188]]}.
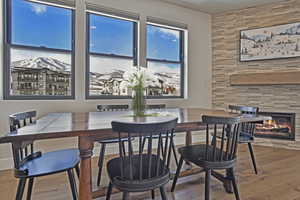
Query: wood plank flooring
{"points": [[278, 179]]}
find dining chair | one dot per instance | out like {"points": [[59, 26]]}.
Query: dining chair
{"points": [[157, 107], [214, 155], [30, 164], [248, 129], [102, 108], [137, 171]]}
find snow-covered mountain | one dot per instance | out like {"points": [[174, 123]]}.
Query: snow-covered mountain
{"points": [[42, 62]]}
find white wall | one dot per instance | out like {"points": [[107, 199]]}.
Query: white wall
{"points": [[199, 67]]}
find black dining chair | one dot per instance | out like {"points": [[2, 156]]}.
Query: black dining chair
{"points": [[102, 108], [30, 164], [158, 107], [248, 129], [214, 155], [140, 171]]}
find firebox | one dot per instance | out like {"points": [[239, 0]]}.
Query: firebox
{"points": [[282, 126]]}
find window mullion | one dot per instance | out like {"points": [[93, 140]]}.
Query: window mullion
{"points": [[163, 61], [17, 46], [111, 55]]}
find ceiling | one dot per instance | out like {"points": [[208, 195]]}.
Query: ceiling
{"points": [[218, 6]]}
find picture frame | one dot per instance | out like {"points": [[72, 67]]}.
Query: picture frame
{"points": [[267, 43]]}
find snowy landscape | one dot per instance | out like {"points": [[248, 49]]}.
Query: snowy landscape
{"points": [[106, 76], [281, 41], [166, 80], [40, 76]]}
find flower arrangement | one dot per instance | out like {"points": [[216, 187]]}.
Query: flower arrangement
{"points": [[138, 79]]}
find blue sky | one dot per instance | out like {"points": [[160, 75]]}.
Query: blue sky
{"points": [[162, 43], [111, 36], [41, 25]]}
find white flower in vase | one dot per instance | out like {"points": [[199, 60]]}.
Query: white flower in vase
{"points": [[138, 79]]}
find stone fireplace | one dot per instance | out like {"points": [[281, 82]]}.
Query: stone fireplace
{"points": [[274, 96]]}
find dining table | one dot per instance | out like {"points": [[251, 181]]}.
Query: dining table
{"points": [[94, 126]]}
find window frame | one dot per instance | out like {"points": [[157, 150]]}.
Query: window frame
{"points": [[181, 61], [8, 45], [134, 56]]}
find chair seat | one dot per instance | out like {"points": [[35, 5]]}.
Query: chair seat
{"points": [[110, 141], [196, 154], [52, 162], [137, 185], [245, 137]]}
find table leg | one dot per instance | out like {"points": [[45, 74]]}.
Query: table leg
{"points": [[85, 181], [188, 138], [188, 142]]}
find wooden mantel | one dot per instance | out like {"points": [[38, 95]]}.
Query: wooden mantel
{"points": [[266, 78]]}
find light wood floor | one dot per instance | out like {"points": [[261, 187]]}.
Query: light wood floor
{"points": [[278, 179]]}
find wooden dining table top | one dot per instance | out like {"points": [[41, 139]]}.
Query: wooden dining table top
{"points": [[95, 124]]}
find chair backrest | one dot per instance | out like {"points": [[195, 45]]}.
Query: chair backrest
{"points": [[243, 109], [21, 119], [138, 164], [224, 149], [112, 107], [156, 106], [247, 127], [22, 151]]}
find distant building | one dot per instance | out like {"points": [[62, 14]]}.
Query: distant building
{"points": [[114, 84], [40, 81]]}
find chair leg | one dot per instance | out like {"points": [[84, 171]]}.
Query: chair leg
{"points": [[125, 196], [235, 187], [131, 149], [162, 147], [73, 184], [109, 189], [100, 163], [30, 186], [252, 157], [77, 171], [174, 152], [152, 194], [163, 193], [20, 190], [169, 154], [143, 143], [207, 184], [177, 174]]}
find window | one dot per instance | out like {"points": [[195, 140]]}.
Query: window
{"points": [[39, 51], [165, 59], [111, 50]]}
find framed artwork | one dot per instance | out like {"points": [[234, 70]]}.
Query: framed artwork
{"points": [[280, 41]]}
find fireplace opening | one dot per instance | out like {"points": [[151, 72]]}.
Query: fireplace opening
{"points": [[282, 126]]}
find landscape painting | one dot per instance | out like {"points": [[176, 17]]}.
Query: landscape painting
{"points": [[281, 41]]}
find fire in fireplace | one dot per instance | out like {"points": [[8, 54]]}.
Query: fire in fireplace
{"points": [[282, 126]]}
